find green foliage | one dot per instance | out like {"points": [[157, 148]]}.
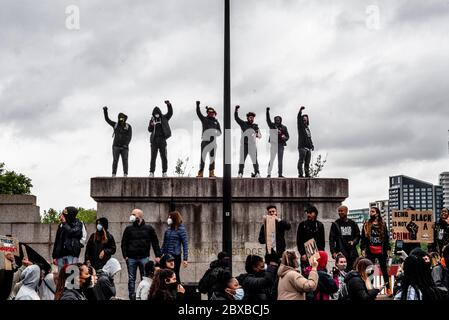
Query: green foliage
{"points": [[84, 215], [317, 166], [13, 183], [181, 167]]}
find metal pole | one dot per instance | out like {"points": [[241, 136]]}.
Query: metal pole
{"points": [[227, 182]]}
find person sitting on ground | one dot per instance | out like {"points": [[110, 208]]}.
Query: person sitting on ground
{"points": [[105, 289], [144, 286], [326, 284], [30, 279], [209, 280], [165, 287], [339, 273], [358, 282], [227, 287]]}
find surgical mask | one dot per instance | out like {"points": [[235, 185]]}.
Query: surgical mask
{"points": [[342, 266], [169, 221], [132, 219], [99, 227], [239, 294]]}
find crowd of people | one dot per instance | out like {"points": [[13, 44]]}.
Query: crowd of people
{"points": [[160, 132], [280, 275]]}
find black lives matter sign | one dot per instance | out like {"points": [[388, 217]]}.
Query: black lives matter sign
{"points": [[412, 226]]}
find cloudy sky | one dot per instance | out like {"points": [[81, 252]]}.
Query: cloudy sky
{"points": [[372, 74]]}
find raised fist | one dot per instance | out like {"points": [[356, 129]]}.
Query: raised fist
{"points": [[105, 108], [167, 102], [197, 103], [302, 108], [268, 108], [237, 108]]}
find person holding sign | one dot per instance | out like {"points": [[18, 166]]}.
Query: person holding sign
{"points": [[343, 237], [375, 243], [272, 232], [310, 229], [441, 233]]}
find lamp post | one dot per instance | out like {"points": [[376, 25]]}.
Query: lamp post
{"points": [[227, 182]]}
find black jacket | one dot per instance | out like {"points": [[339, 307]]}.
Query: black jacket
{"points": [[340, 234], [281, 130], [357, 290], [162, 129], [93, 249], [258, 288], [441, 236], [220, 296], [67, 241], [208, 282], [245, 125], [307, 231], [281, 227], [72, 294], [211, 125], [304, 135], [367, 240], [122, 133], [137, 241]]}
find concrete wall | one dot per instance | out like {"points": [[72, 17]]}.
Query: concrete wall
{"points": [[199, 201]]}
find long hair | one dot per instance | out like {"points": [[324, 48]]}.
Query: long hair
{"points": [[418, 276], [290, 259], [361, 267], [177, 219], [101, 235], [159, 284], [369, 224], [62, 278]]}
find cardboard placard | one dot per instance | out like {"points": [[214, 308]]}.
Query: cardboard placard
{"points": [[412, 226], [9, 244], [270, 232], [311, 250]]}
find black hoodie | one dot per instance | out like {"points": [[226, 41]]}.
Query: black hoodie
{"points": [[209, 280], [281, 130], [161, 129], [122, 131], [304, 135], [68, 236]]}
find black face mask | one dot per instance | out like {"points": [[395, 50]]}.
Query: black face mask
{"points": [[260, 274], [88, 282], [172, 286]]}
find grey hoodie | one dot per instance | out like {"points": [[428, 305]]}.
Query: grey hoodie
{"points": [[30, 281]]}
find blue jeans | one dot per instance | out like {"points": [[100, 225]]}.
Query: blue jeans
{"points": [[132, 265], [66, 260]]}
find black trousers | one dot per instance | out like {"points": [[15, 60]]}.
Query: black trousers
{"points": [[208, 147], [177, 266], [116, 153], [305, 156], [382, 258], [279, 151], [246, 149], [159, 145]]}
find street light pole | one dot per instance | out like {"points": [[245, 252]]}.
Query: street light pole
{"points": [[227, 182]]}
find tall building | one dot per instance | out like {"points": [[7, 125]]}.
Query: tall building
{"points": [[359, 216], [409, 192], [444, 182], [384, 210]]}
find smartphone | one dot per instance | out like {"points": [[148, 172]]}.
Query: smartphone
{"points": [[399, 246]]}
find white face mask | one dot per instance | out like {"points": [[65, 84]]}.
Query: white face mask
{"points": [[132, 219], [169, 221], [239, 294]]}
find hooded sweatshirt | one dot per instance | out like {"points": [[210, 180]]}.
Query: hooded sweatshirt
{"points": [[245, 125], [68, 236], [122, 130], [293, 286], [161, 129], [30, 282], [211, 126], [277, 131], [304, 134], [94, 247], [104, 289]]}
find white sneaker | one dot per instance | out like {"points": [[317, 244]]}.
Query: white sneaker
{"points": [[257, 175], [125, 175], [113, 175], [240, 175], [164, 175], [151, 174]]}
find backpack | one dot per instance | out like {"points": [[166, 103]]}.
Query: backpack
{"points": [[84, 237]]}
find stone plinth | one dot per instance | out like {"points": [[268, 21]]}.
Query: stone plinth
{"points": [[199, 201]]}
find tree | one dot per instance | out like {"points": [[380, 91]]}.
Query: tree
{"points": [[13, 183], [317, 166], [84, 215]]}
